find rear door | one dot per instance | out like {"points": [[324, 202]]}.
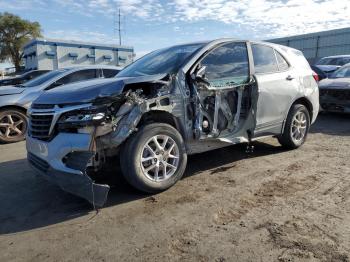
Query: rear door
{"points": [[277, 88]]}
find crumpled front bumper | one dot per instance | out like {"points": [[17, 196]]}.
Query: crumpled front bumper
{"points": [[50, 159]]}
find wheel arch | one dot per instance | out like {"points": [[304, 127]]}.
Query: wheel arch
{"points": [[16, 107], [160, 116], [302, 101], [305, 102]]}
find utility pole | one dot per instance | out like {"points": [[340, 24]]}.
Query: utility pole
{"points": [[118, 25], [119, 29]]}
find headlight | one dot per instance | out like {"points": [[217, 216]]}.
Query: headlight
{"points": [[83, 117]]}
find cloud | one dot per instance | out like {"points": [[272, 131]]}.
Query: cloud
{"points": [[266, 17], [85, 36]]}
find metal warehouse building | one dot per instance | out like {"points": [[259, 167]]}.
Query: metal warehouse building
{"points": [[318, 45], [52, 54]]}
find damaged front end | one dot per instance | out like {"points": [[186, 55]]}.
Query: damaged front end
{"points": [[69, 143]]}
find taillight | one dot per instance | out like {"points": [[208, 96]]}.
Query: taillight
{"points": [[315, 76]]}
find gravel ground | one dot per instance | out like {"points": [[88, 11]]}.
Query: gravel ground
{"points": [[272, 205]]}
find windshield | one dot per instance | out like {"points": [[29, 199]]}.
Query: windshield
{"points": [[342, 72], [339, 61], [43, 78], [162, 61]]}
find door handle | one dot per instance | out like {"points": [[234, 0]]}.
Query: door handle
{"points": [[289, 78]]}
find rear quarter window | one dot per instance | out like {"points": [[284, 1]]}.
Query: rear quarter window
{"points": [[264, 59], [282, 63]]}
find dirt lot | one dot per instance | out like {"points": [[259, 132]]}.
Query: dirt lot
{"points": [[273, 205]]}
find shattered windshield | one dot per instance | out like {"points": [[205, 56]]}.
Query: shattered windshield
{"points": [[162, 61]]}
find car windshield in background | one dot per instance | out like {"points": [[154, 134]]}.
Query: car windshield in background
{"points": [[162, 61], [43, 78], [339, 61], [343, 72]]}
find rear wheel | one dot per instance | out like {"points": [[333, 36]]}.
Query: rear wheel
{"points": [[154, 158], [13, 126], [296, 128]]}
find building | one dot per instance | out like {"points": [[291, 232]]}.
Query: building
{"points": [[52, 54], [318, 45]]}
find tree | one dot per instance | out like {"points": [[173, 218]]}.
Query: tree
{"points": [[15, 32]]}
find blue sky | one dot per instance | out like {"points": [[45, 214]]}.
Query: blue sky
{"points": [[152, 24]]}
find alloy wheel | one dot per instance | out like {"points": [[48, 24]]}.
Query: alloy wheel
{"points": [[12, 126], [160, 158], [299, 126]]}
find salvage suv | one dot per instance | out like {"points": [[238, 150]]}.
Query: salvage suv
{"points": [[173, 102]]}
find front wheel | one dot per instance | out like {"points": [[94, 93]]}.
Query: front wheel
{"points": [[296, 127], [154, 158], [13, 126]]}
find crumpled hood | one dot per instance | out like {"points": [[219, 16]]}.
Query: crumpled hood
{"points": [[335, 83], [89, 91], [10, 90]]}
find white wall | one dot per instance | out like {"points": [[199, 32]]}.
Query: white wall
{"points": [[62, 59]]}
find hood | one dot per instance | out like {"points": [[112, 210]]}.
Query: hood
{"points": [[335, 83], [92, 90], [10, 90], [328, 68]]}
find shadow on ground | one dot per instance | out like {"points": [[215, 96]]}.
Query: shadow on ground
{"points": [[332, 124], [28, 202]]}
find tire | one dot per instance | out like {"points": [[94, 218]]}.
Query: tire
{"points": [[135, 170], [13, 126], [296, 128]]}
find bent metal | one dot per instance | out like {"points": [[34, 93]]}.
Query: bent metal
{"points": [[171, 103]]}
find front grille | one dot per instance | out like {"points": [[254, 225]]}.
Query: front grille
{"points": [[37, 162], [340, 94], [42, 106], [39, 126]]}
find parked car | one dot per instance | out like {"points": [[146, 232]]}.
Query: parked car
{"points": [[321, 75], [21, 79], [15, 100], [173, 102], [331, 63], [335, 91]]}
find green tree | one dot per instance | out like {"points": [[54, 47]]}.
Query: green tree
{"points": [[15, 32]]}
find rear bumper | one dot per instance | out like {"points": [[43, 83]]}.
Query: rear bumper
{"points": [[50, 160]]}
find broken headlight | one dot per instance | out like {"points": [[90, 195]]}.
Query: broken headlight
{"points": [[89, 116]]}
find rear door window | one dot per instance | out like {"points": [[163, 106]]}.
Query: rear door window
{"points": [[79, 76], [342, 61], [108, 73], [264, 59]]}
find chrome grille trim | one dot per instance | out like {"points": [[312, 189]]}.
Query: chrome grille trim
{"points": [[43, 121]]}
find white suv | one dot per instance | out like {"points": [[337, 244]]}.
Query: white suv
{"points": [[176, 101]]}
